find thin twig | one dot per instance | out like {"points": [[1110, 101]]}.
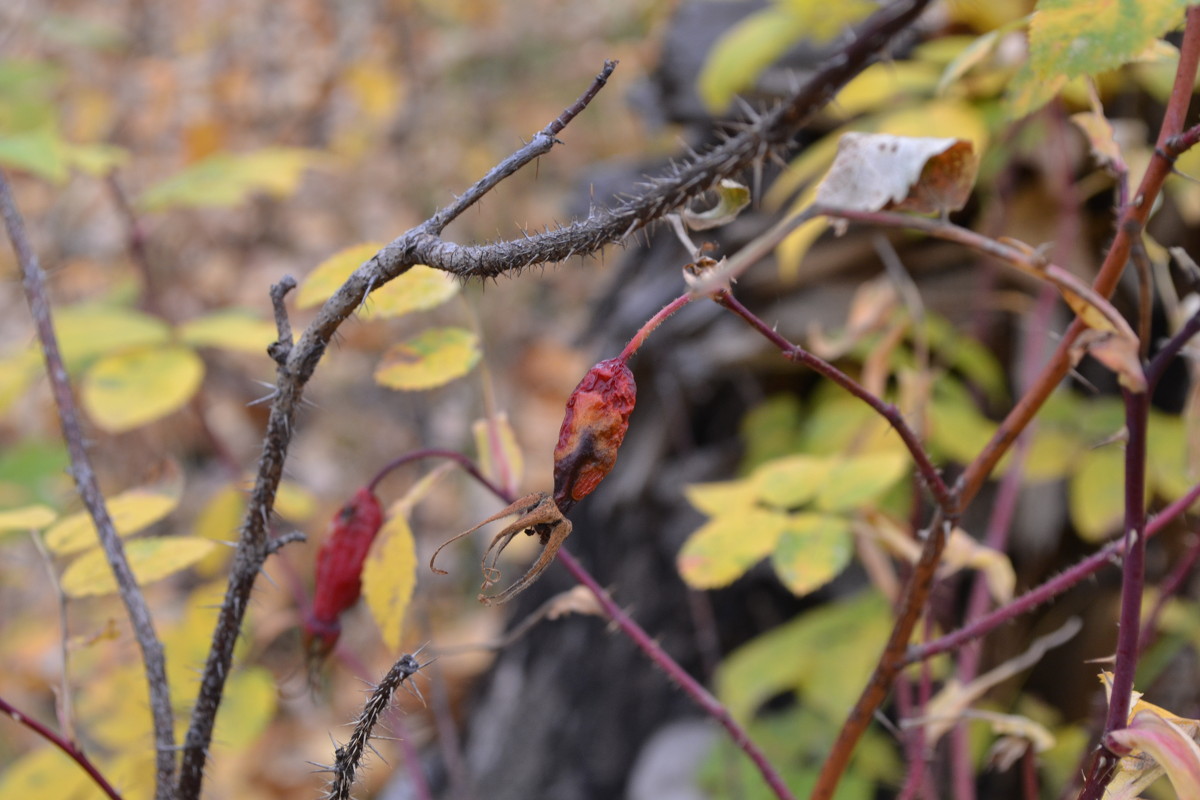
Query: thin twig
{"points": [[151, 647], [70, 748], [928, 472], [348, 757], [772, 132]]}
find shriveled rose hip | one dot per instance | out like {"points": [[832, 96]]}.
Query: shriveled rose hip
{"points": [[592, 430], [339, 569]]}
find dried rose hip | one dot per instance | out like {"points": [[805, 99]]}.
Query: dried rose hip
{"points": [[339, 570], [592, 430]]}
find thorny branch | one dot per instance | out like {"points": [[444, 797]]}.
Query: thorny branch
{"points": [[348, 757], [93, 499], [770, 132], [1130, 219]]}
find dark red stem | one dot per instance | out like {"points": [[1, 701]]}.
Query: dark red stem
{"points": [[70, 748]]}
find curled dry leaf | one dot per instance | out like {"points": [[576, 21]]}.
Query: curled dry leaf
{"points": [[878, 171], [1115, 351], [732, 197]]}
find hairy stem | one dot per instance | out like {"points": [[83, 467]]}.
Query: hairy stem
{"points": [[86, 483]]}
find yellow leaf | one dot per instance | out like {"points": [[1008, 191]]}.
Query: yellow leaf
{"points": [[17, 373], [45, 772], [135, 387], [1168, 746], [375, 88], [388, 578], [795, 245], [131, 511], [963, 552], [230, 330], [150, 559], [26, 518], [792, 481], [226, 179], [857, 481], [294, 501], [1053, 454], [320, 284], [885, 85], [87, 331], [115, 712], [430, 359], [219, 520], [813, 550], [743, 52], [247, 706], [1100, 136], [726, 546], [420, 288], [500, 457], [41, 152], [1096, 494], [721, 497]]}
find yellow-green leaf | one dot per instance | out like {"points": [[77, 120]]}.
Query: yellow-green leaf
{"points": [[885, 85], [87, 331], [738, 57], [388, 578], [420, 288], [27, 518], [1075, 38], [230, 330], [17, 373], [150, 559], [294, 501], [41, 152], [812, 551], [320, 284], [46, 772], [131, 511], [247, 707], [721, 497], [226, 179], [1096, 494], [826, 655], [795, 246], [1052, 454], [500, 457], [732, 197], [792, 481], [135, 387], [726, 546], [96, 159], [432, 358], [857, 481]]}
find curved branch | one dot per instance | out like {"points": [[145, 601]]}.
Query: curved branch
{"points": [[93, 499]]}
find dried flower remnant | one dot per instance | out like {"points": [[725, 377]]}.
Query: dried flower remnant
{"points": [[593, 428]]}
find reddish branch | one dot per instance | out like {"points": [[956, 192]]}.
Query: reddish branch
{"points": [[70, 748], [423, 245], [151, 647]]}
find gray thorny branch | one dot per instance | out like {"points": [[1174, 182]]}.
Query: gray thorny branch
{"points": [[763, 136]]}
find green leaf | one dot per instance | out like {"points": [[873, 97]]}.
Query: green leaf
{"points": [[430, 359], [136, 387], [792, 481], [388, 578], [826, 655], [231, 329], [27, 518], [813, 550], [857, 481], [418, 289], [87, 331], [320, 284], [39, 152], [150, 559], [1096, 494], [722, 549], [770, 430], [131, 511], [225, 180]]}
